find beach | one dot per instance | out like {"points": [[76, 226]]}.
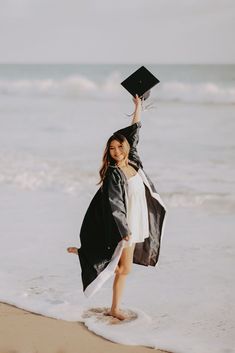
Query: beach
{"points": [[25, 332]]}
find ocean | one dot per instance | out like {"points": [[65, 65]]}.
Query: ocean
{"points": [[55, 121]]}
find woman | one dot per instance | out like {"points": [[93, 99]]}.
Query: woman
{"points": [[124, 221]]}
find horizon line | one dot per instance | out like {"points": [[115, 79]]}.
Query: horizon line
{"points": [[113, 63]]}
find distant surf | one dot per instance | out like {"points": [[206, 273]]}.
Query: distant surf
{"points": [[82, 87]]}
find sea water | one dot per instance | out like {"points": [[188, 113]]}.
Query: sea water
{"points": [[55, 121]]}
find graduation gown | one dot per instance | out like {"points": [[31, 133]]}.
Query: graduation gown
{"points": [[105, 222]]}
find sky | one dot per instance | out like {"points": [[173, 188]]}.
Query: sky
{"points": [[120, 31]]}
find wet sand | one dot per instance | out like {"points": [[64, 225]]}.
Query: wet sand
{"points": [[25, 332]]}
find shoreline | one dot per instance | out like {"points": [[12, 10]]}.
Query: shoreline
{"points": [[25, 332]]}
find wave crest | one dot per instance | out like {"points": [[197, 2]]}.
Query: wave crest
{"points": [[207, 92], [82, 87]]}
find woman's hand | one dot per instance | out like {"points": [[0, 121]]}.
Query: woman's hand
{"points": [[126, 237], [137, 101]]}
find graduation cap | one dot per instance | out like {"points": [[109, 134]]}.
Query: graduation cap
{"points": [[140, 82]]}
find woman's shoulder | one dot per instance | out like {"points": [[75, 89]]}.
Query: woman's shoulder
{"points": [[113, 174]]}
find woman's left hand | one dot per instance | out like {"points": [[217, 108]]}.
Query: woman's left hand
{"points": [[126, 238]]}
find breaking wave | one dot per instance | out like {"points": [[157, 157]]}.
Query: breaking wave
{"points": [[82, 87]]}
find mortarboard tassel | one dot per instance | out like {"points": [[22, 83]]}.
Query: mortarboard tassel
{"points": [[145, 107]]}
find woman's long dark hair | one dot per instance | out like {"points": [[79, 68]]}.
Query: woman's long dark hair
{"points": [[107, 159]]}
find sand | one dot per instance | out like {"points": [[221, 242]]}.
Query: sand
{"points": [[25, 332]]}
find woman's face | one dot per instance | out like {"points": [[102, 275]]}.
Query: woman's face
{"points": [[116, 151]]}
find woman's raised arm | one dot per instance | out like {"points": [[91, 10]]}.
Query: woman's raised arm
{"points": [[131, 132], [138, 108]]}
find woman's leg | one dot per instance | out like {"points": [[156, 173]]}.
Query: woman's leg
{"points": [[122, 270]]}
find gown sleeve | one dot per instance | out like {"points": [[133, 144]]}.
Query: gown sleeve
{"points": [[131, 133]]}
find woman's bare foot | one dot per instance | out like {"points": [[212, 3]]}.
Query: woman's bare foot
{"points": [[72, 249], [117, 314]]}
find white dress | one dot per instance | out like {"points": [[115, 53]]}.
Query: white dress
{"points": [[137, 211]]}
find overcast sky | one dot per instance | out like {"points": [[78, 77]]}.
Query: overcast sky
{"points": [[120, 31]]}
